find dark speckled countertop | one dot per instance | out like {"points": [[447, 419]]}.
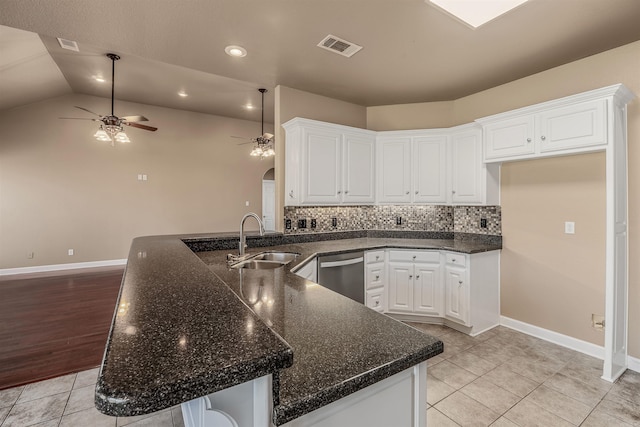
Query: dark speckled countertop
{"points": [[181, 331]]}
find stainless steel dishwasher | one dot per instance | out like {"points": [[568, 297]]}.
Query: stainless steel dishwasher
{"points": [[343, 273]]}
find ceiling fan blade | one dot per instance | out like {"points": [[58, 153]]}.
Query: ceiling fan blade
{"points": [[138, 125], [267, 135], [239, 137], [79, 118], [245, 143], [88, 111], [135, 118]]}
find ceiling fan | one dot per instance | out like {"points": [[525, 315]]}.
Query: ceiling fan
{"points": [[263, 144], [111, 125]]}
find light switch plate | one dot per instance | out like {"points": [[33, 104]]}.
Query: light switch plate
{"points": [[569, 227]]}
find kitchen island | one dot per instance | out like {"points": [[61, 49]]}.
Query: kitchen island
{"points": [[187, 326]]}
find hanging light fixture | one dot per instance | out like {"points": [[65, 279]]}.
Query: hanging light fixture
{"points": [[263, 144]]}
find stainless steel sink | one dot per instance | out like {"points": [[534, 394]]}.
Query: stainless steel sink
{"points": [[258, 264], [283, 257], [266, 260]]}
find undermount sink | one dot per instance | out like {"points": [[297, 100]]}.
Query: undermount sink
{"points": [[283, 257], [267, 260]]}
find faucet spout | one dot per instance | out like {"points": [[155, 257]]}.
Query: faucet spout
{"points": [[243, 240]]}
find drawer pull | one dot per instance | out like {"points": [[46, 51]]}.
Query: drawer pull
{"points": [[410, 276], [377, 277], [459, 283], [377, 302], [418, 276], [453, 260], [377, 257], [414, 257]]}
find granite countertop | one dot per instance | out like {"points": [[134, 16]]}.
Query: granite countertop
{"points": [[186, 326]]}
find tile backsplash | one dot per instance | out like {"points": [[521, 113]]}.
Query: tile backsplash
{"points": [[460, 219]]}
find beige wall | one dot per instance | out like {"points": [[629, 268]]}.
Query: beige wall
{"points": [[290, 103], [423, 115], [523, 253], [61, 189]]}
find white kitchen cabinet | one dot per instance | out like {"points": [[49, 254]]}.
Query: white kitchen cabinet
{"points": [[358, 168], [457, 298], [401, 286], [429, 169], [328, 164], [374, 277], [415, 283], [394, 169], [549, 129]]}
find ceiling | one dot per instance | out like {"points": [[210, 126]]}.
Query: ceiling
{"points": [[413, 51]]}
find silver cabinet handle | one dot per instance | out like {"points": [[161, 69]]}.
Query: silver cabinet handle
{"points": [[410, 276], [377, 257], [453, 191], [459, 283], [543, 137], [377, 302], [408, 192], [377, 277], [453, 260], [528, 139], [346, 191], [414, 257], [339, 192], [291, 193], [418, 276], [416, 191]]}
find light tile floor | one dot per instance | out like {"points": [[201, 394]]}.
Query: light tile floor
{"points": [[501, 378]]}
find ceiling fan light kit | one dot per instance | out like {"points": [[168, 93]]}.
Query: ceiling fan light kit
{"points": [[263, 144], [111, 129]]}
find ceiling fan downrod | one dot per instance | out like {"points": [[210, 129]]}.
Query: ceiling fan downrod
{"points": [[113, 57]]}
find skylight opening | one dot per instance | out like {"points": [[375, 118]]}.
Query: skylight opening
{"points": [[476, 12]]}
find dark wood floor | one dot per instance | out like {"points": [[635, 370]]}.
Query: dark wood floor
{"points": [[50, 326]]}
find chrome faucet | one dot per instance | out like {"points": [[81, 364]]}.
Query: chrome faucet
{"points": [[243, 240]]}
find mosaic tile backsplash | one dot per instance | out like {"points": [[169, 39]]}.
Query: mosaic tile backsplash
{"points": [[457, 219]]}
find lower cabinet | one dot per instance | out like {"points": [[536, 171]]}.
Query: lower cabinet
{"points": [[374, 277], [445, 287]]}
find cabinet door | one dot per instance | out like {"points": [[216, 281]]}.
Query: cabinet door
{"points": [[428, 289], [400, 287], [394, 170], [321, 168], [374, 275], [467, 169], [509, 138], [456, 295], [575, 126], [430, 169], [358, 169], [292, 167]]}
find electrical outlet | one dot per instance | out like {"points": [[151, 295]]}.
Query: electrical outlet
{"points": [[483, 222], [569, 227], [313, 223], [398, 220], [334, 222], [287, 224], [597, 321], [302, 223], [70, 252]]}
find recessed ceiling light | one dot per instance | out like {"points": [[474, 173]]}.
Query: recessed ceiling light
{"points": [[476, 12], [249, 107], [237, 51], [183, 94], [99, 79]]}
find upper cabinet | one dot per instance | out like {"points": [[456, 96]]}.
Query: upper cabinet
{"points": [[566, 126], [328, 164], [434, 166]]}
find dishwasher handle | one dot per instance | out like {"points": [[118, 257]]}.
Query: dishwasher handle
{"points": [[328, 264]]}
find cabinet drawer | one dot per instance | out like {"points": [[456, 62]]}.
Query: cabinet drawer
{"points": [[457, 259], [374, 299], [374, 256], [415, 256], [374, 275]]}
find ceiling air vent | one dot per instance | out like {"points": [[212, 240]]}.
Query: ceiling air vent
{"points": [[340, 46], [68, 44]]}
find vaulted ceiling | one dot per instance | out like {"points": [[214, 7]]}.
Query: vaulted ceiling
{"points": [[412, 51]]}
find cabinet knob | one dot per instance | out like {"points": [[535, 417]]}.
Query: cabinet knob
{"points": [[346, 191], [543, 137], [377, 257], [453, 260], [408, 192], [459, 283], [410, 276], [377, 302], [414, 257], [377, 277], [453, 191], [418, 276], [528, 139], [339, 192], [291, 193], [416, 191]]}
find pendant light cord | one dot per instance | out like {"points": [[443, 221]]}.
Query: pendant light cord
{"points": [[113, 81]]}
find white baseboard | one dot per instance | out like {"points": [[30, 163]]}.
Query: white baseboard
{"points": [[564, 340], [585, 347], [633, 363], [58, 267]]}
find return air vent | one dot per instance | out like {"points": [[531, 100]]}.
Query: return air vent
{"points": [[68, 44], [340, 46]]}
